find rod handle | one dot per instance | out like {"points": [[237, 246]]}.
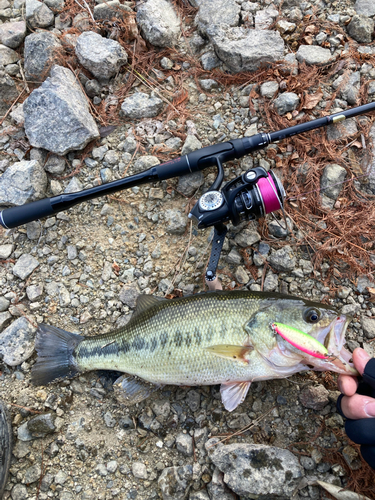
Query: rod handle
{"points": [[16, 216]]}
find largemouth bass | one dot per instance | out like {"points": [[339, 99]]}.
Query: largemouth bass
{"points": [[210, 338]]}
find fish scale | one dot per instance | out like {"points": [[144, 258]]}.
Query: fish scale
{"points": [[210, 338]]}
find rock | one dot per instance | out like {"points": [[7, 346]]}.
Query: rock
{"points": [[17, 342], [277, 228], [210, 60], [361, 28], [34, 292], [234, 257], [103, 57], [111, 10], [22, 182], [19, 492], [368, 325], [57, 115], [241, 276], [184, 444], [271, 282], [38, 15], [144, 162], [6, 251], [12, 34], [218, 489], [175, 482], [25, 265], [257, 471], [348, 87], [5, 319], [32, 474], [40, 53], [159, 23], [41, 425], [284, 26], [191, 144], [313, 54], [269, 89], [129, 294], [365, 8], [58, 291], [92, 88], [243, 49], [285, 102], [8, 92], [342, 130], [8, 56], [176, 221], [246, 238], [200, 495], [55, 164], [188, 184], [265, 18], [139, 470], [331, 180], [283, 260], [314, 397], [213, 12], [140, 105], [208, 84]]}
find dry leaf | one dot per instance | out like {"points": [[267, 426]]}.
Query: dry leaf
{"points": [[354, 163], [116, 268], [311, 100], [357, 144], [308, 39], [371, 291], [289, 116]]}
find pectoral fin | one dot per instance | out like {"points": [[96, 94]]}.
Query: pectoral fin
{"points": [[233, 352], [233, 394], [130, 390]]}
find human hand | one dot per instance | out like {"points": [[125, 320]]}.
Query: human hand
{"points": [[357, 404]]}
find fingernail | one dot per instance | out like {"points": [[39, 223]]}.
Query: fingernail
{"points": [[370, 409], [340, 386], [363, 355]]}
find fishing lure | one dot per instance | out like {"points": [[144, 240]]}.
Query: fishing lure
{"points": [[302, 341]]}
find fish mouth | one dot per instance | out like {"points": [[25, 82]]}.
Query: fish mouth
{"points": [[333, 338]]}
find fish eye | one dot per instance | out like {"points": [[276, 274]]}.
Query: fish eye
{"points": [[311, 316]]}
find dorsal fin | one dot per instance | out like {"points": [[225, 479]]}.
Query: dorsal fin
{"points": [[144, 302]]}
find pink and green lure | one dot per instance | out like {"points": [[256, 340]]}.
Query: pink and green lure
{"points": [[302, 341]]}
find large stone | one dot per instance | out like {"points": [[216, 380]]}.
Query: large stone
{"points": [[8, 91], [57, 115], [211, 12], [365, 7], [348, 86], [103, 57], [8, 56], [140, 105], [38, 15], [342, 130], [331, 181], [25, 265], [285, 102], [243, 49], [283, 260], [159, 23], [111, 10], [313, 54], [12, 34], [40, 52], [257, 471], [361, 29], [17, 342], [22, 182], [175, 482]]}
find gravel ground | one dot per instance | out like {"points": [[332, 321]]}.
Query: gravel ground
{"points": [[82, 270]]}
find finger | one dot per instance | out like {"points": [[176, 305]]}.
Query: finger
{"points": [[360, 359], [355, 407], [347, 384]]}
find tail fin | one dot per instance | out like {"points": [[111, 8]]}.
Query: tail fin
{"points": [[55, 360]]}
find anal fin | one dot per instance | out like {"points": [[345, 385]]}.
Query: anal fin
{"points": [[233, 394], [130, 390]]}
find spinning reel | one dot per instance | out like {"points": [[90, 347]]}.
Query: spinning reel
{"points": [[250, 196]]}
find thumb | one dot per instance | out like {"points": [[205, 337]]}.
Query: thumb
{"points": [[360, 359]]}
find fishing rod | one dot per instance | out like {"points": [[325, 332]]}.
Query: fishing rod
{"points": [[250, 196]]}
